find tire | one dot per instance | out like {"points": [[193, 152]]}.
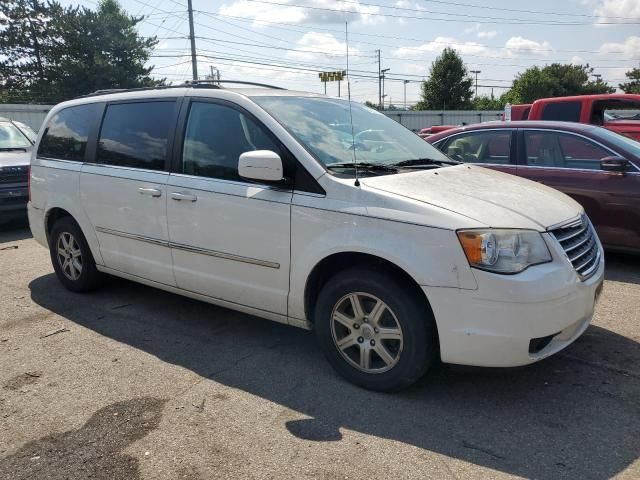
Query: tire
{"points": [[71, 257], [407, 353]]}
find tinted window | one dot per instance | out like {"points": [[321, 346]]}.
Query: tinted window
{"points": [[136, 135], [562, 111], [480, 147], [67, 132], [550, 149], [215, 137]]}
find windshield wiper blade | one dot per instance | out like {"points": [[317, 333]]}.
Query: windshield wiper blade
{"points": [[364, 166], [424, 162], [11, 149]]}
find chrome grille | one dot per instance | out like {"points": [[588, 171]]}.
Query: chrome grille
{"points": [[579, 242]]}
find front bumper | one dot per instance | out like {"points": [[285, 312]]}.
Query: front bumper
{"points": [[13, 202], [513, 320]]}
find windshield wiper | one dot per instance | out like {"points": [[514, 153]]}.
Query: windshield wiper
{"points": [[424, 162], [11, 149], [370, 167]]}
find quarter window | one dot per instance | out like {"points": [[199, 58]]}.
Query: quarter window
{"points": [[65, 137], [551, 149], [492, 147], [562, 111], [215, 137], [136, 135]]}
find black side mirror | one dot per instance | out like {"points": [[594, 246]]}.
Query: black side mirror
{"points": [[615, 164]]}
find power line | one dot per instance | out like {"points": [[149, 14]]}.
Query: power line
{"points": [[457, 20]]}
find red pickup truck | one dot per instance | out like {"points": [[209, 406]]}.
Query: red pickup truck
{"points": [[619, 112]]}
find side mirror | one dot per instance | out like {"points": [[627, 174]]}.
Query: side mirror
{"points": [[614, 164], [261, 166]]}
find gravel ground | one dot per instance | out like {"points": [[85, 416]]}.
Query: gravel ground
{"points": [[134, 383]]}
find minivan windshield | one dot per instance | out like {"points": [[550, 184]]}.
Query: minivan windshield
{"points": [[323, 126], [12, 138]]}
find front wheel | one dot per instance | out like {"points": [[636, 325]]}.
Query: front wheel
{"points": [[71, 257], [375, 330]]}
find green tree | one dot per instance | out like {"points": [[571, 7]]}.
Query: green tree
{"points": [[59, 53], [449, 84], [633, 85], [555, 80], [30, 44], [371, 105], [483, 102]]}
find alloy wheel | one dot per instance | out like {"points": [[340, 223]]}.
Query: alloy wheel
{"points": [[366, 332], [69, 256]]}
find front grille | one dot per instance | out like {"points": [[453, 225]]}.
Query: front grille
{"points": [[14, 174], [579, 242]]}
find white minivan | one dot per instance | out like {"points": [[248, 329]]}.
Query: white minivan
{"points": [[309, 211]]}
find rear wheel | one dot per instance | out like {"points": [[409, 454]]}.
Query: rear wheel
{"points": [[71, 257], [375, 330]]}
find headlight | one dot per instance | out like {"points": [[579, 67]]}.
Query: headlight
{"points": [[503, 251]]}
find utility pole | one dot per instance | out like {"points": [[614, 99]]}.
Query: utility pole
{"points": [[598, 77], [405, 93], [379, 82], [476, 72], [194, 61], [383, 71]]}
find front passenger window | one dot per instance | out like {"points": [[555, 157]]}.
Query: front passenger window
{"points": [[215, 137], [491, 147]]}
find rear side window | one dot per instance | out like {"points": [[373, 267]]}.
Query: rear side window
{"points": [[562, 111], [66, 134], [136, 135], [493, 147]]}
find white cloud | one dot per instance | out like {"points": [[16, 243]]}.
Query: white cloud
{"points": [[608, 10], [519, 46], [477, 29], [630, 48], [437, 45], [337, 12], [313, 42], [576, 60]]}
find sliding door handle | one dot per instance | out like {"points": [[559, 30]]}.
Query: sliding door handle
{"points": [[153, 192], [188, 197]]}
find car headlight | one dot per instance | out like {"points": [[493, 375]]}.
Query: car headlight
{"points": [[503, 251]]}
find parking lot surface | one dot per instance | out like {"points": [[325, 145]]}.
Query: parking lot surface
{"points": [[129, 382]]}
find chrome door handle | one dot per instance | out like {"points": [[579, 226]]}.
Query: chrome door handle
{"points": [[189, 197], [153, 192]]}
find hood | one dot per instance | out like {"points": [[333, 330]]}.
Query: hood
{"points": [[490, 197], [15, 158]]}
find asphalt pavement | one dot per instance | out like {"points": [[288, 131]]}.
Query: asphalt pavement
{"points": [[130, 382]]}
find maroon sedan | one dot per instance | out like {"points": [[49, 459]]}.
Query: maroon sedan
{"points": [[597, 167]]}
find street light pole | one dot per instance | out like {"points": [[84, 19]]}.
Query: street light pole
{"points": [[382, 72], [476, 72], [405, 93]]}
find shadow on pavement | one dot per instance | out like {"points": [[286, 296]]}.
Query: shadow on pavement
{"points": [[14, 231], [622, 267], [571, 416]]}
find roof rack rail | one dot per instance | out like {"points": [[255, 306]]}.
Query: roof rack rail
{"points": [[216, 83], [188, 83]]}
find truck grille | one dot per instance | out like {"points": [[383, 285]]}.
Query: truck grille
{"points": [[18, 174], [579, 242]]}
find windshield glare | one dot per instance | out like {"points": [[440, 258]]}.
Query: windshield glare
{"points": [[626, 143], [323, 126], [12, 137]]}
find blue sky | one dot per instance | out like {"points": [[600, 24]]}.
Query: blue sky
{"points": [[287, 42]]}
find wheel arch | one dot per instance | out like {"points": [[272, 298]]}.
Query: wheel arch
{"points": [[52, 216], [338, 262]]}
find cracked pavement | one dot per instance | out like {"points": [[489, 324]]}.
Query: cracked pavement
{"points": [[129, 382]]}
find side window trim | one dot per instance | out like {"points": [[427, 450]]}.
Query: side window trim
{"points": [[170, 137]]}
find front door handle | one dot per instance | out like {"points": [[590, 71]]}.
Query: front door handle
{"points": [[189, 197], [153, 192]]}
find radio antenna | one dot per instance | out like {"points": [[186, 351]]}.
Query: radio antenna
{"points": [[353, 137]]}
